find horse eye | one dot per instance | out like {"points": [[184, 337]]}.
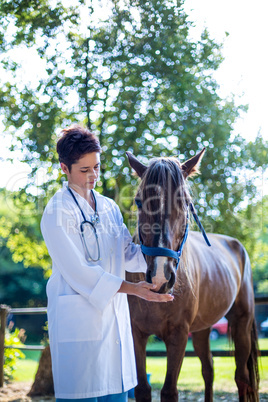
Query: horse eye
{"points": [[138, 203]]}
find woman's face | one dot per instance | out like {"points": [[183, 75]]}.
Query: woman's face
{"points": [[84, 173]]}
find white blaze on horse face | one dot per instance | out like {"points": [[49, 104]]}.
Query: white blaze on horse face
{"points": [[160, 268], [160, 274]]}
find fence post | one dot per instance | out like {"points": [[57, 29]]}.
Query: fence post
{"points": [[3, 316]]}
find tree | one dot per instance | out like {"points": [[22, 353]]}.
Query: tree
{"points": [[134, 76], [21, 246], [253, 221]]}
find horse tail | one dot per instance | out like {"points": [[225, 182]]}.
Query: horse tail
{"points": [[252, 364], [251, 387]]}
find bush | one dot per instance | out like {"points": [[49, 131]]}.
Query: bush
{"points": [[15, 338]]}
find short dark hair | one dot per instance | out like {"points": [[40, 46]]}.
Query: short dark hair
{"points": [[75, 142]]}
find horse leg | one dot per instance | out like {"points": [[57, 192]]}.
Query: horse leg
{"points": [[244, 335], [176, 344], [143, 389], [241, 336], [202, 349]]}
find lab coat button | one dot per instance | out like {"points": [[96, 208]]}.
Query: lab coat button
{"points": [[111, 250], [117, 341]]}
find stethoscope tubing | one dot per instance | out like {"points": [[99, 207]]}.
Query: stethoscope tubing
{"points": [[92, 225]]}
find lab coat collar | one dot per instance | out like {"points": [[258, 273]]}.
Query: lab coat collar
{"points": [[82, 201]]}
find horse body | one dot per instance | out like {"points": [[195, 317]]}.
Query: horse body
{"points": [[217, 278], [209, 283]]}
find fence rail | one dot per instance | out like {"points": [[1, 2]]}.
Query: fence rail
{"points": [[32, 310], [5, 310], [26, 347]]}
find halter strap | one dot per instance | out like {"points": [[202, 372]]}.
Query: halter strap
{"points": [[160, 252], [166, 252], [163, 251]]}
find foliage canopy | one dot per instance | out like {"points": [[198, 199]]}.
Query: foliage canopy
{"points": [[132, 73]]}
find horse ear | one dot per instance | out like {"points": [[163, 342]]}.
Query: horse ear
{"points": [[139, 167], [191, 167]]}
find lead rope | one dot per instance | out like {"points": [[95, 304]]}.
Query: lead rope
{"points": [[199, 224]]}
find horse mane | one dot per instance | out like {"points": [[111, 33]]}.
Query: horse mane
{"points": [[164, 178]]}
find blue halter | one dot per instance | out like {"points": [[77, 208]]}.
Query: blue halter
{"points": [[166, 252]]}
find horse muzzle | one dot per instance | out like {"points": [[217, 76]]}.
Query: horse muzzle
{"points": [[161, 273]]}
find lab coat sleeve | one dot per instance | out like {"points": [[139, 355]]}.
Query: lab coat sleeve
{"points": [[134, 260], [89, 280]]}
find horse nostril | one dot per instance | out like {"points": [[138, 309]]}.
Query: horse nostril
{"points": [[148, 276], [171, 280]]}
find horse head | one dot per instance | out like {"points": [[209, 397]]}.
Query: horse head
{"points": [[163, 201]]}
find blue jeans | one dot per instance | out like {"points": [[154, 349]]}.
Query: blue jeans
{"points": [[107, 398]]}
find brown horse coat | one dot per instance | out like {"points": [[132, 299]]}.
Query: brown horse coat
{"points": [[210, 282]]}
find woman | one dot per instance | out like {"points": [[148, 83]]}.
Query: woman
{"points": [[91, 248]]}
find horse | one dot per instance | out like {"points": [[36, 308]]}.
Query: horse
{"points": [[207, 283]]}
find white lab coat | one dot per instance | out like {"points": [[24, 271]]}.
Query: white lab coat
{"points": [[89, 324]]}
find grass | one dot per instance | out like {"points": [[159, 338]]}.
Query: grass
{"points": [[26, 368], [190, 375], [191, 379]]}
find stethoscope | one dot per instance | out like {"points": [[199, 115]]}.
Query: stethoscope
{"points": [[86, 224]]}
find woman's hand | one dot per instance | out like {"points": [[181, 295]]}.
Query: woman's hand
{"points": [[144, 290]]}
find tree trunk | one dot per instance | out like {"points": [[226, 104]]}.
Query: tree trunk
{"points": [[43, 383]]}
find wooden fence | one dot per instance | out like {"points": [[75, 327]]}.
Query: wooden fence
{"points": [[5, 310]]}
